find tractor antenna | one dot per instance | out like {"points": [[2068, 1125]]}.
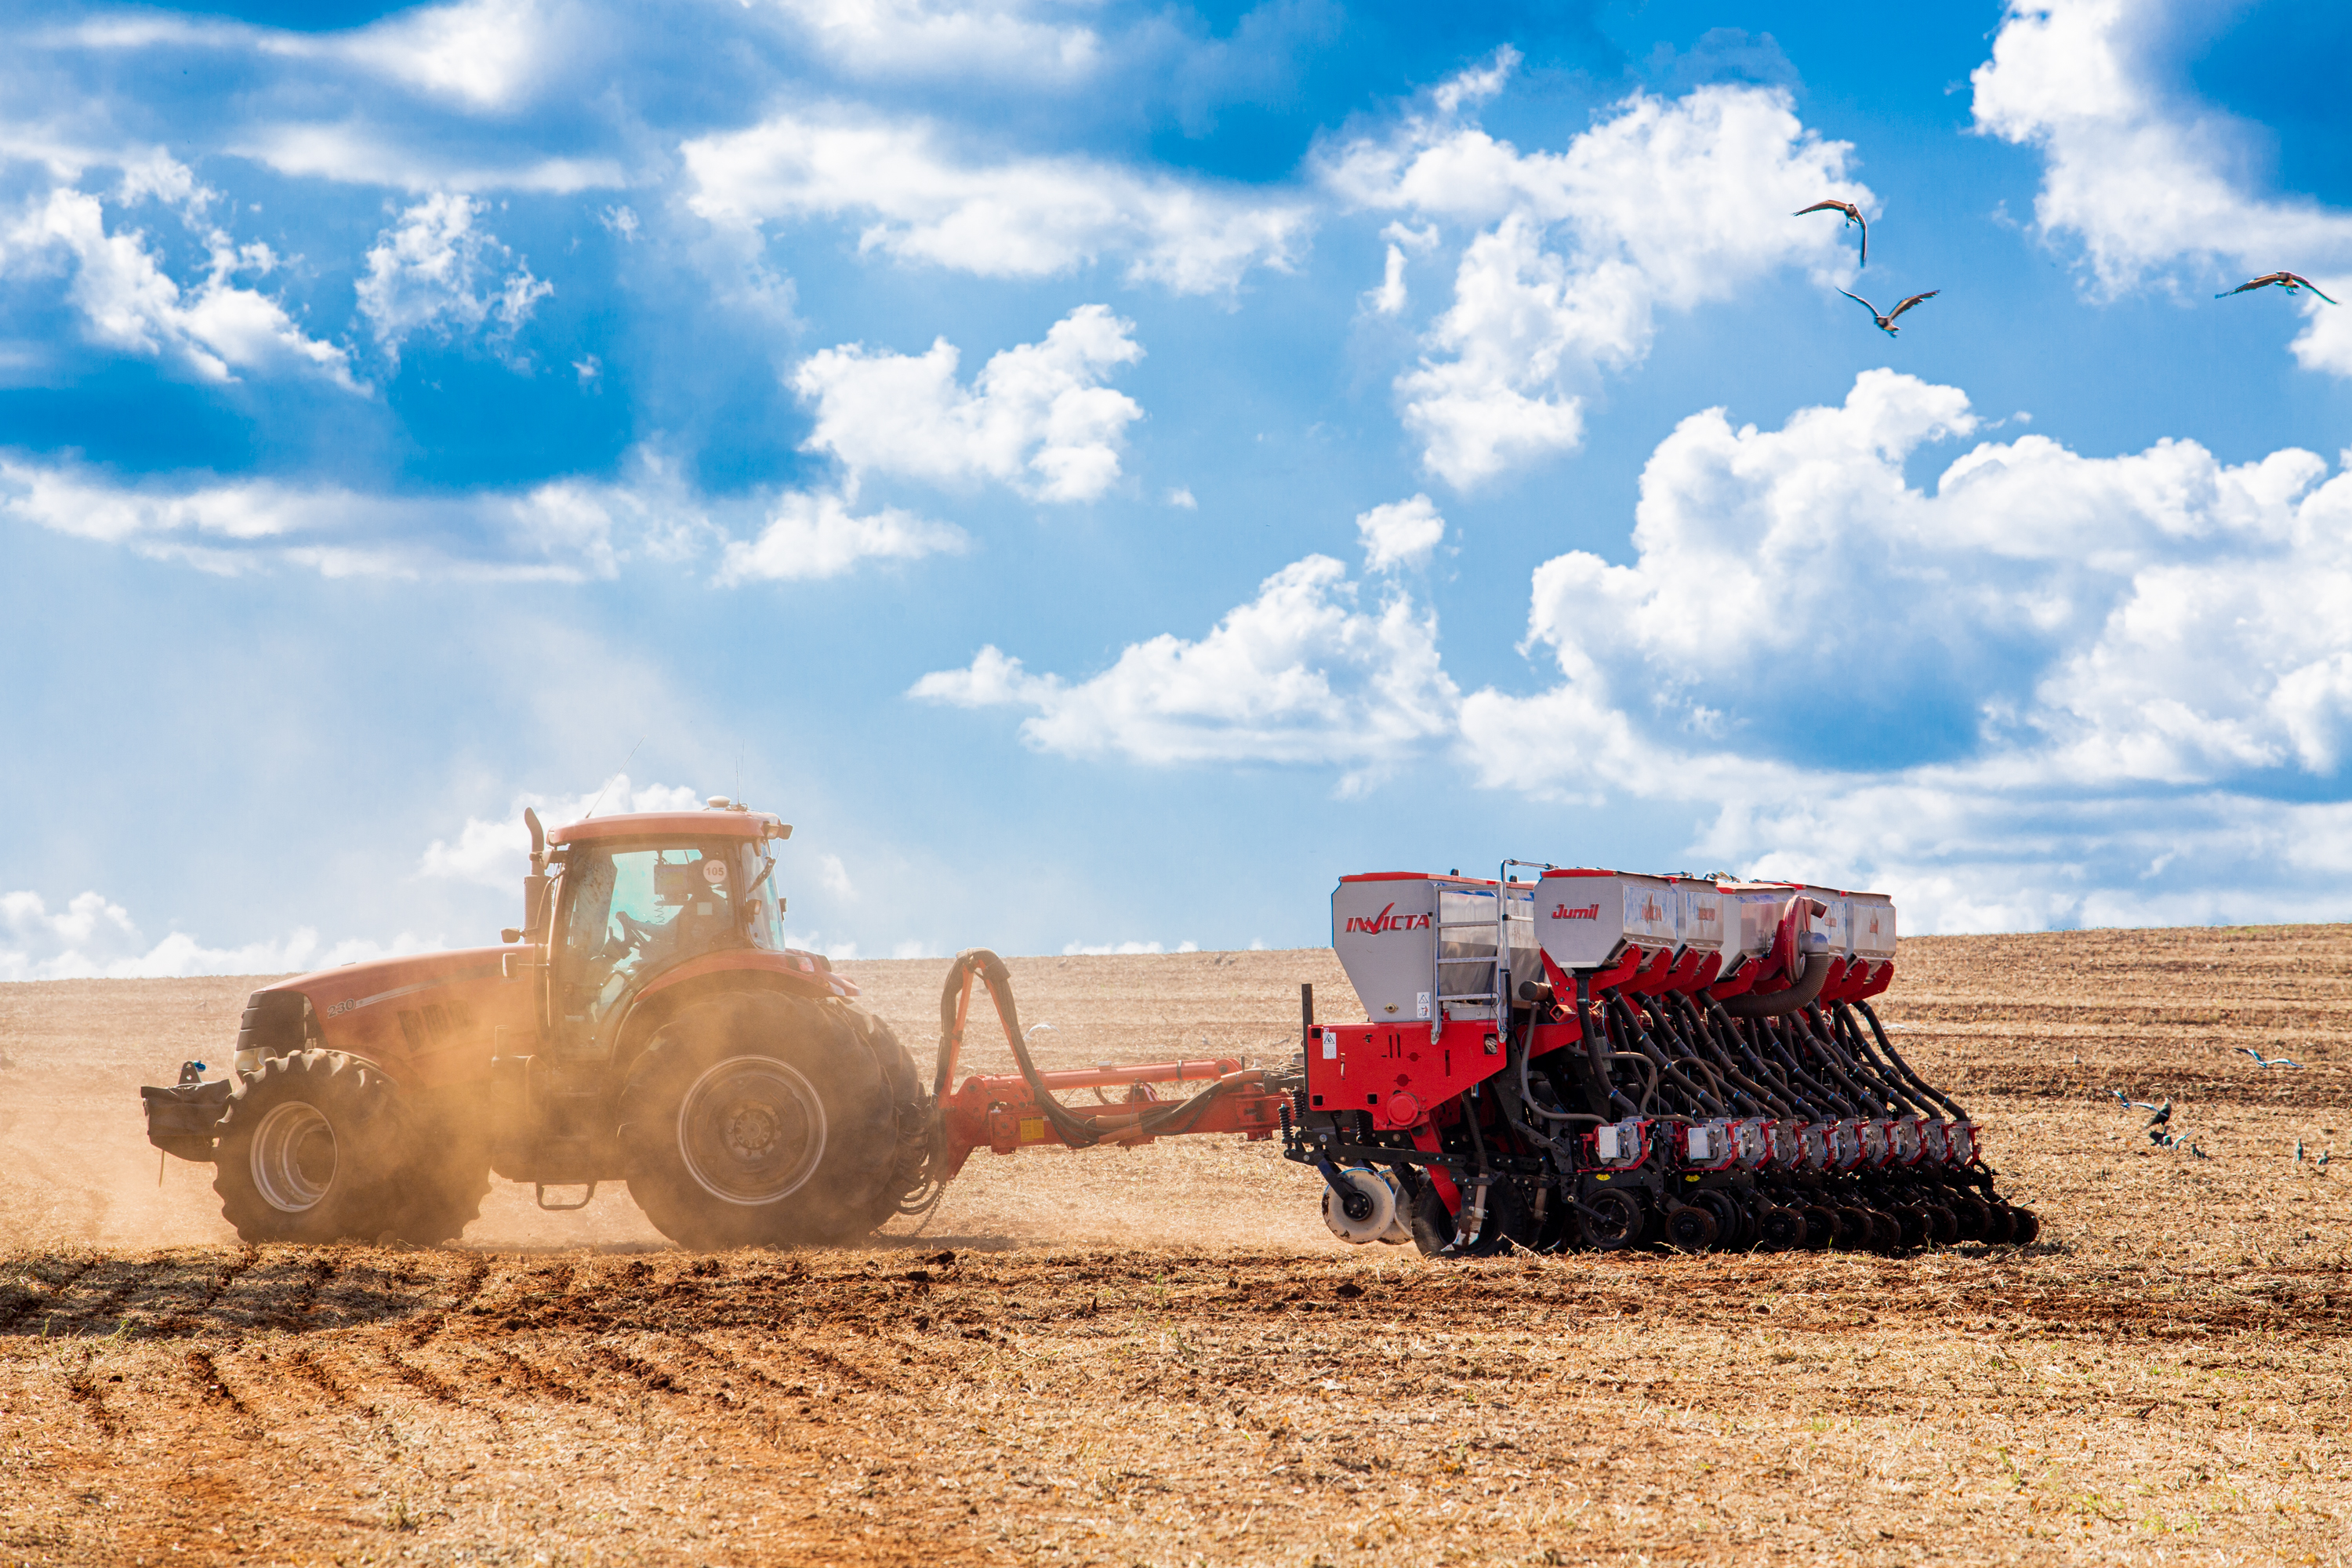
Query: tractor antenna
{"points": [[616, 773]]}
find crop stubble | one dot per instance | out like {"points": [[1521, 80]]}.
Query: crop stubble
{"points": [[1159, 1357]]}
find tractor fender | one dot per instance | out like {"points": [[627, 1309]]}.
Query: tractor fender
{"points": [[719, 973]]}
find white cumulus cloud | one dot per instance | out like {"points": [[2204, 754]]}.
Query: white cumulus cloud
{"points": [[817, 536], [2145, 176], [1663, 203], [495, 853], [213, 327], [92, 937], [482, 55], [434, 272], [1122, 948], [1037, 417], [1401, 533], [1301, 674], [2052, 689], [562, 529], [567, 529], [921, 199], [899, 39], [355, 151]]}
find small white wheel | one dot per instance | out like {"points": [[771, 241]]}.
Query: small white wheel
{"points": [[1380, 1206], [1400, 1230]]}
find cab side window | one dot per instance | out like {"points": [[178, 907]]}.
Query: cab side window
{"points": [[635, 912]]}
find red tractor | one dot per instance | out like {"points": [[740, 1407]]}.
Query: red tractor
{"points": [[648, 1024]]}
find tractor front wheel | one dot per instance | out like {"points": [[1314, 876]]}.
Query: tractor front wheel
{"points": [[311, 1150]]}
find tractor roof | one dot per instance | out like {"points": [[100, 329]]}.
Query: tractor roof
{"points": [[719, 822]]}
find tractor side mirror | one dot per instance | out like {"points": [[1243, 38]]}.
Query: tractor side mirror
{"points": [[510, 936]]}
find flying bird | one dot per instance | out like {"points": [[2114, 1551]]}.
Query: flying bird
{"points": [[2163, 1114], [2290, 281], [1886, 322], [1853, 215], [2262, 1061], [2130, 1104]]}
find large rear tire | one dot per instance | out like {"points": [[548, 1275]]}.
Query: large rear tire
{"points": [[757, 1119], [311, 1150]]}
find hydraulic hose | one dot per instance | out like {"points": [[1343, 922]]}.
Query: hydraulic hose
{"points": [[1604, 1082], [1079, 1131], [1817, 1092], [1905, 1067], [979, 964], [1786, 1097], [1841, 1019], [1527, 1088], [1667, 1030], [1702, 1102], [1808, 986], [1829, 1052], [1753, 1097]]}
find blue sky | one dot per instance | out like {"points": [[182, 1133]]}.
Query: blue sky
{"points": [[1104, 471]]}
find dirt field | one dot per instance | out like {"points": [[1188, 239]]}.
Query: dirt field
{"points": [[1159, 1357]]}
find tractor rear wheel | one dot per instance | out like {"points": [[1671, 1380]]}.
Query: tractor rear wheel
{"points": [[757, 1120], [311, 1150]]}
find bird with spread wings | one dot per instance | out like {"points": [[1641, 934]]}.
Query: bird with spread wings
{"points": [[1886, 322], [2262, 1061], [2290, 281], [1853, 215]]}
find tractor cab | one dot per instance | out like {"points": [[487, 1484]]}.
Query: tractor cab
{"points": [[618, 905]]}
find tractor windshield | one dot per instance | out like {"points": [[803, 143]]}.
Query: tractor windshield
{"points": [[762, 905], [631, 912]]}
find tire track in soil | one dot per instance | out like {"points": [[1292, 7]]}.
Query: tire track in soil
{"points": [[431, 1323], [538, 1299], [83, 1388], [856, 1376], [229, 1275], [306, 1367], [433, 1385], [641, 1373], [305, 1300], [212, 1389], [189, 1320], [532, 1376], [13, 1315], [110, 1304], [698, 1349]]}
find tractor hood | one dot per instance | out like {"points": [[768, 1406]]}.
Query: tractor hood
{"points": [[432, 1017], [353, 987]]}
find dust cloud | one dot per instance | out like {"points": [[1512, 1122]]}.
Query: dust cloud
{"points": [[78, 1171]]}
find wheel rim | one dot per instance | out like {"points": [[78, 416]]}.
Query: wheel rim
{"points": [[1692, 1229], [751, 1131], [1617, 1224], [294, 1157]]}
